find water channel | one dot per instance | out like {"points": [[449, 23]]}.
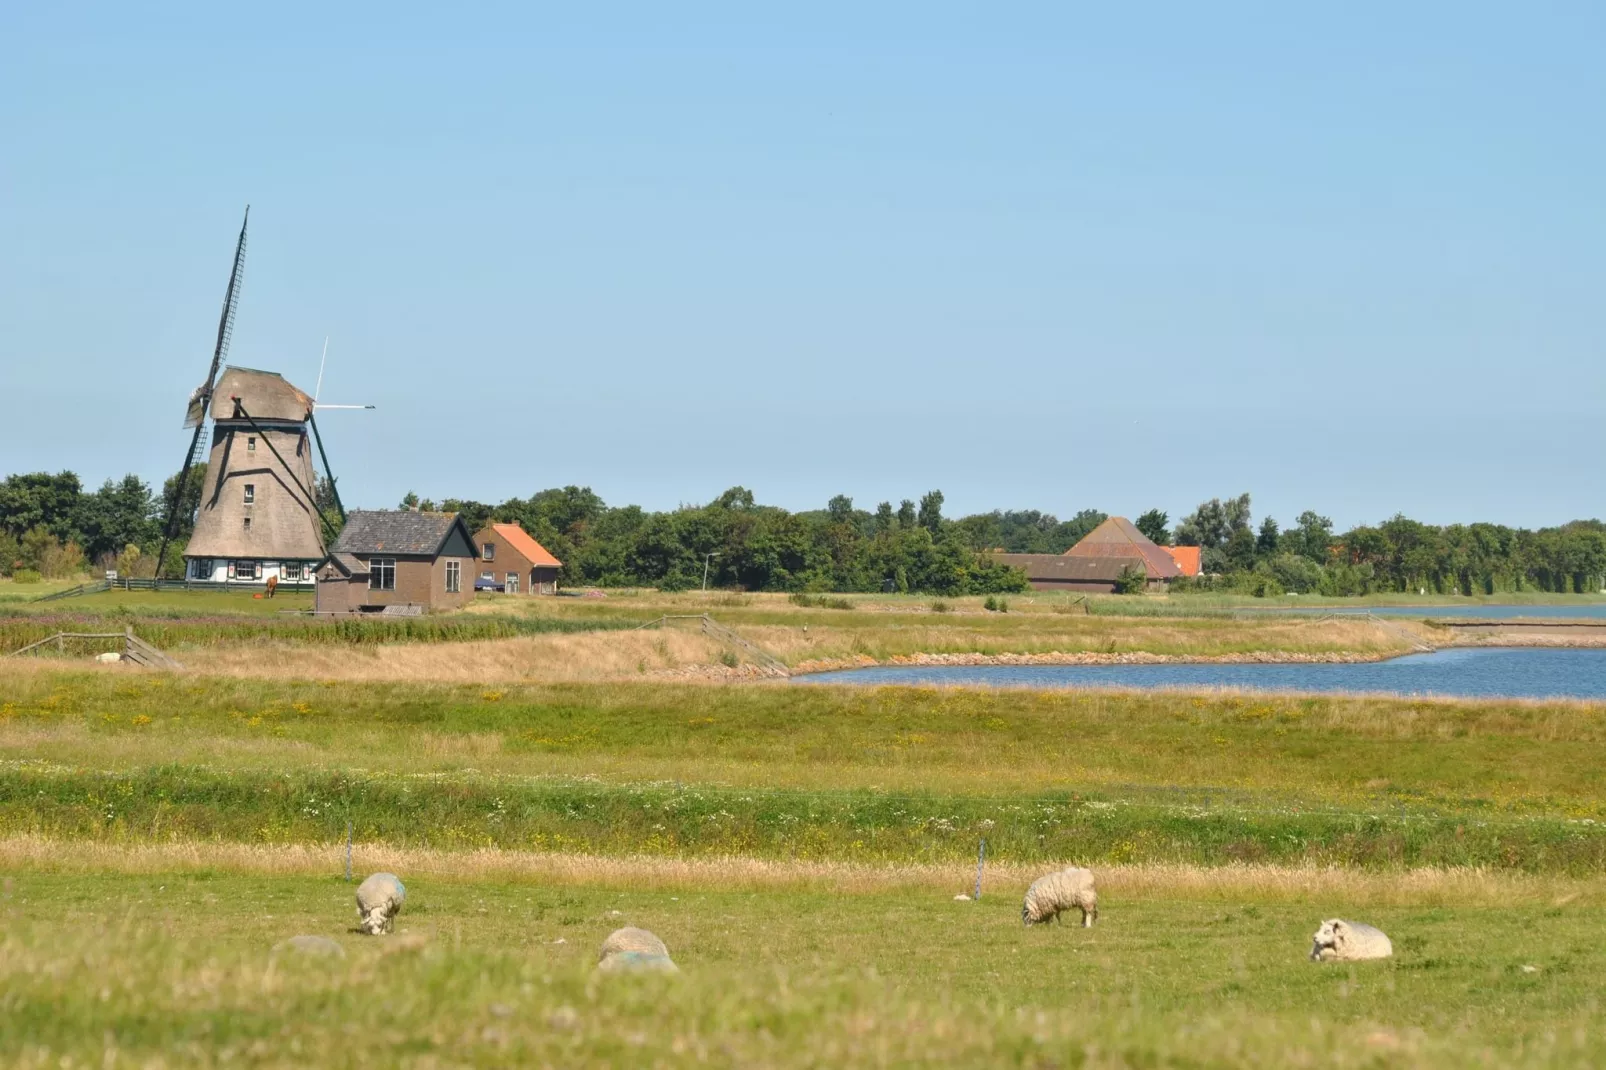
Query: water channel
{"points": [[1508, 672]]}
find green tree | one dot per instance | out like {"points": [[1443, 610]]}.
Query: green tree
{"points": [[1152, 524], [930, 516], [39, 499], [116, 516], [1266, 542], [906, 514]]}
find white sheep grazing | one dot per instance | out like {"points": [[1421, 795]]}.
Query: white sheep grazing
{"points": [[1349, 941], [631, 948], [379, 900], [1054, 892]]}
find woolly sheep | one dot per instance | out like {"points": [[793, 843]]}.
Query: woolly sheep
{"points": [[1349, 941], [379, 900], [1054, 892], [631, 948]]}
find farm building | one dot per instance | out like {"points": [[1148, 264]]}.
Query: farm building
{"points": [[398, 558], [257, 518], [1098, 561], [512, 561]]}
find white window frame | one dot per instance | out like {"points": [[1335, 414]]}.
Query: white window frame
{"points": [[246, 570], [291, 571], [250, 494], [510, 583], [250, 443], [454, 577], [488, 552], [378, 569]]}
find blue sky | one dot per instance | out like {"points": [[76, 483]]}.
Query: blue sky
{"points": [[1042, 256]]}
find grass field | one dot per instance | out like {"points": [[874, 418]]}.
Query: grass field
{"points": [[797, 847], [155, 968]]}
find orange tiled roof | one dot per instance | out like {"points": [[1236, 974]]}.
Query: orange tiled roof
{"points": [[1186, 557], [520, 540]]}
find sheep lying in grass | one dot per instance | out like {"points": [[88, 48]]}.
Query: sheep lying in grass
{"points": [[631, 948], [1349, 941], [379, 900], [1054, 892]]}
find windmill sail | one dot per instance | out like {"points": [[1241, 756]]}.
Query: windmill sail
{"points": [[201, 398]]}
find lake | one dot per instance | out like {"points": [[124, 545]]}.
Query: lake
{"points": [[1580, 610], [1506, 672]]}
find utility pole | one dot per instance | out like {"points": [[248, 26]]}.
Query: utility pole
{"points": [[707, 560]]}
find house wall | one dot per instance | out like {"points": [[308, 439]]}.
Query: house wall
{"points": [[216, 570], [337, 593]]}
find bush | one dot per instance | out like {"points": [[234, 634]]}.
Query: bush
{"points": [[939, 606], [25, 575], [1131, 581], [991, 605], [729, 659]]}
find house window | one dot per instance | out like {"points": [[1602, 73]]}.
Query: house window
{"points": [[488, 577], [247, 523], [203, 568], [454, 577], [250, 493], [512, 583], [382, 574], [291, 571], [251, 444], [245, 570], [488, 552]]}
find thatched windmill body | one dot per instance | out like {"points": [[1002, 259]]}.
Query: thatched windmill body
{"points": [[258, 518]]}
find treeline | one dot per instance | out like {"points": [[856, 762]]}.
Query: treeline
{"points": [[755, 547], [50, 525]]}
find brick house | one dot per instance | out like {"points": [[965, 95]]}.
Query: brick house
{"points": [[398, 558], [514, 562]]}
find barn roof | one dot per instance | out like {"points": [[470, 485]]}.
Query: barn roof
{"points": [[396, 531], [1062, 568], [1119, 539], [522, 542], [265, 396]]}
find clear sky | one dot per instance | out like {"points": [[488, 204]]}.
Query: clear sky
{"points": [[1036, 255]]}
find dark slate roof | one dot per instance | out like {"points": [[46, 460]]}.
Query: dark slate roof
{"points": [[1119, 538], [394, 531], [351, 566], [1060, 568]]}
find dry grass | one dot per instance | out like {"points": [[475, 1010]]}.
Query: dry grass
{"points": [[1270, 883], [578, 657]]}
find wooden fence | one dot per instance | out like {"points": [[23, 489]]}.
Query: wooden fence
{"points": [[134, 649]]}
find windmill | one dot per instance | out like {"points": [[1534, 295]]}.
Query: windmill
{"points": [[258, 520], [201, 399]]}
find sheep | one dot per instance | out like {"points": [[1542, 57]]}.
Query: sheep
{"points": [[379, 900], [631, 948], [1054, 892], [1349, 941]]}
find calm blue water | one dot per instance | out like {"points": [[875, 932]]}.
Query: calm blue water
{"points": [[1499, 671], [1582, 610]]}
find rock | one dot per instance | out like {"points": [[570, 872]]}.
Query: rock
{"points": [[637, 962], [315, 946], [961, 898], [111, 657]]}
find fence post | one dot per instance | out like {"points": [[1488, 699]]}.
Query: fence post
{"points": [[981, 857]]}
